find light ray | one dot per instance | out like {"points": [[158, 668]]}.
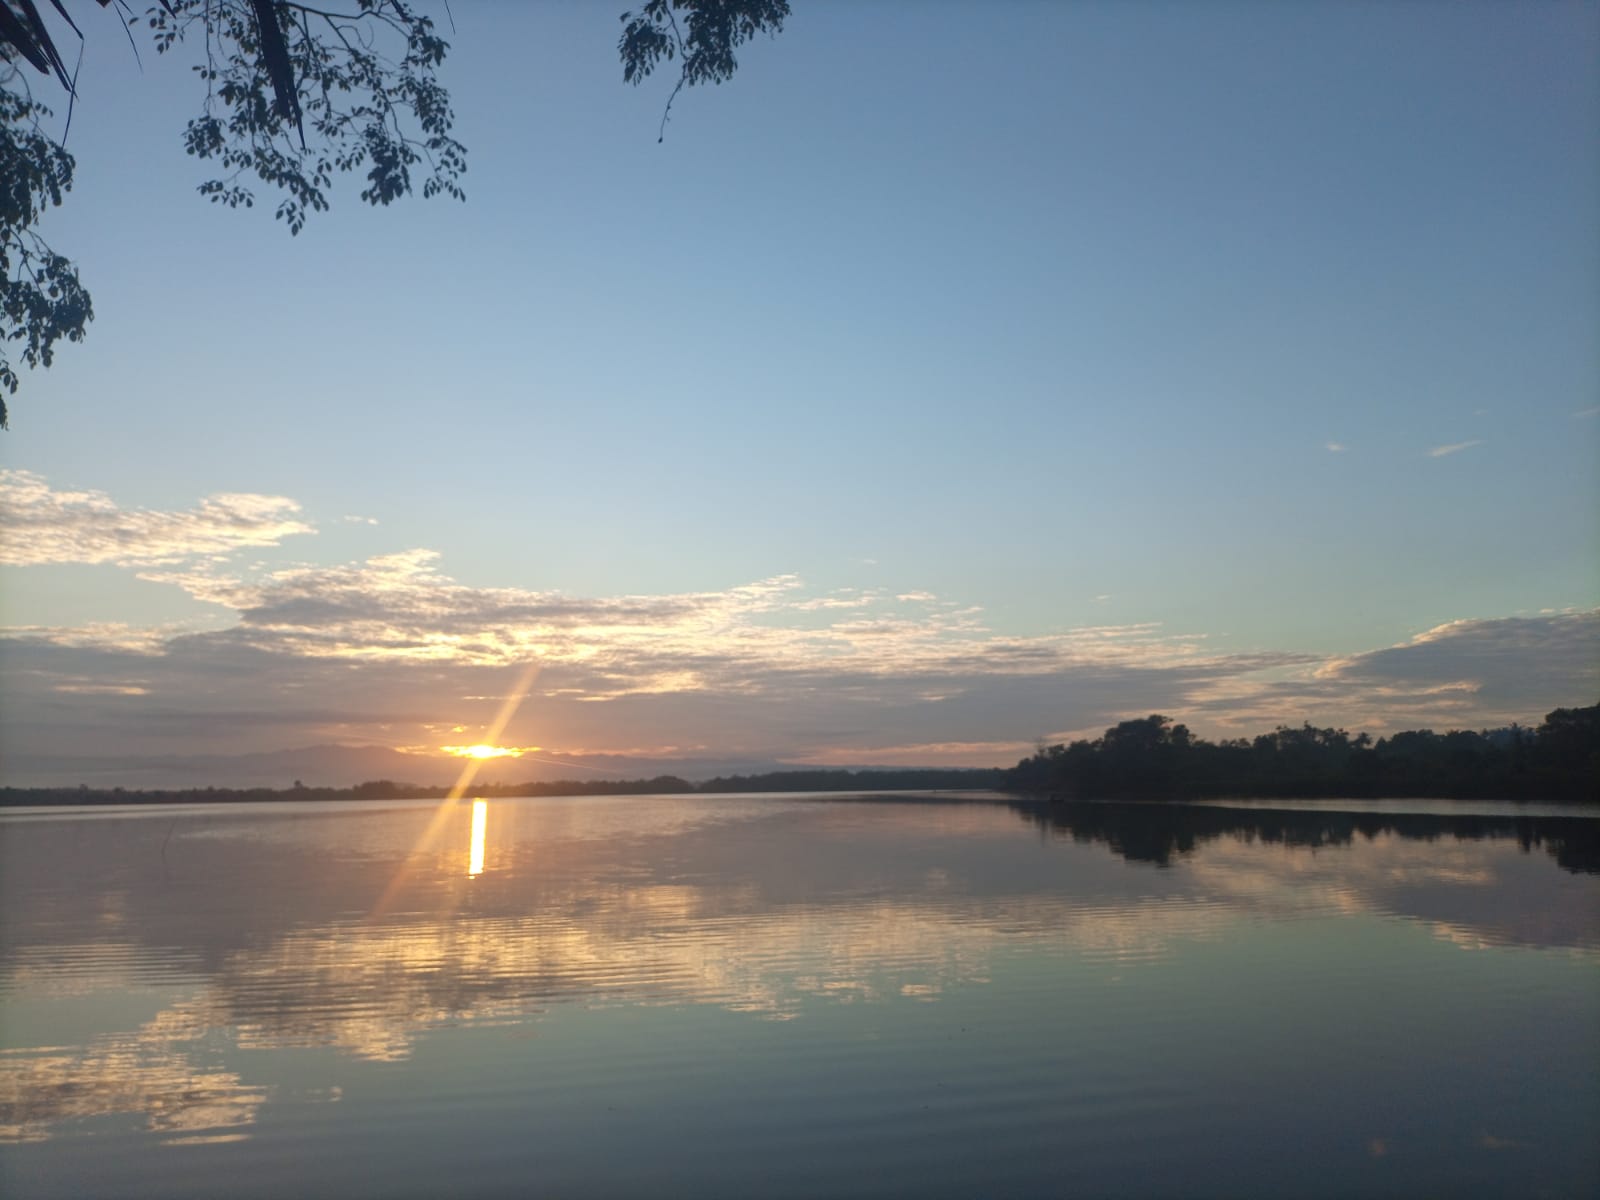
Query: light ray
{"points": [[469, 772]]}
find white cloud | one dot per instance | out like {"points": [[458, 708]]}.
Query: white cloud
{"points": [[43, 525], [732, 671], [391, 651], [1453, 448], [1335, 447], [401, 607]]}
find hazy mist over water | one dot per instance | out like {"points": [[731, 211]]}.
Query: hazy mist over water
{"points": [[743, 995]]}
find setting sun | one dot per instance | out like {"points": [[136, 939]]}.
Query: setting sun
{"points": [[483, 751]]}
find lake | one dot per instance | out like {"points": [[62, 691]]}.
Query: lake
{"points": [[739, 996]]}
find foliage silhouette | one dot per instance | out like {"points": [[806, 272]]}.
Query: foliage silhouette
{"points": [[295, 94], [41, 298], [1152, 758]]}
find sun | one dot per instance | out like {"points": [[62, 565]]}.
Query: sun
{"points": [[482, 750]]}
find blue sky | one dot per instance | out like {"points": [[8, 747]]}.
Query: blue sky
{"points": [[1155, 319]]}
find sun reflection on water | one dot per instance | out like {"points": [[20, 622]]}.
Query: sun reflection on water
{"points": [[480, 822], [469, 772], [772, 909]]}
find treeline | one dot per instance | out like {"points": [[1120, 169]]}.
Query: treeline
{"points": [[1152, 758], [389, 789], [376, 789]]}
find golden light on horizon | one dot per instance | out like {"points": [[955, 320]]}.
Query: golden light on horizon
{"points": [[469, 771], [480, 825], [484, 750]]}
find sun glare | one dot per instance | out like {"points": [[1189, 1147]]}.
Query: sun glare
{"points": [[474, 755], [483, 751]]}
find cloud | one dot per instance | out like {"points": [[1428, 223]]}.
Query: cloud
{"points": [[393, 652], [402, 608], [1335, 447], [1501, 665], [47, 526], [1588, 412], [737, 686], [922, 753], [1453, 448], [1461, 674]]}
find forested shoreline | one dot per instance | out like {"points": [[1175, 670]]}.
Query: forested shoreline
{"points": [[1151, 758], [388, 789]]}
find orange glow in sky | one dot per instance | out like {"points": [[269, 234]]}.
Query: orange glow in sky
{"points": [[469, 770], [483, 750]]}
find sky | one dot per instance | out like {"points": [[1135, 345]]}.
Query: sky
{"points": [[957, 376]]}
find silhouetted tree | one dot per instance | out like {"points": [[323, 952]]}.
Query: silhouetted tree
{"points": [[1569, 740], [295, 94], [1153, 758]]}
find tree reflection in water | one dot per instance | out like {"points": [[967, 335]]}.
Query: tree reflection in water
{"points": [[1161, 833], [257, 926]]}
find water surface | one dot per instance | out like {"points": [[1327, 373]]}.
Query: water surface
{"points": [[787, 996]]}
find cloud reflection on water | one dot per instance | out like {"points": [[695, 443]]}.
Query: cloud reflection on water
{"points": [[766, 908], [150, 1071]]}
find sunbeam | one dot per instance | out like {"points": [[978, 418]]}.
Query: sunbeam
{"points": [[469, 772]]}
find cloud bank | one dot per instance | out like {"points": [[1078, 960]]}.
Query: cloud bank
{"points": [[392, 652]]}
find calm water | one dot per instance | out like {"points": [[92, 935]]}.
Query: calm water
{"points": [[755, 996]]}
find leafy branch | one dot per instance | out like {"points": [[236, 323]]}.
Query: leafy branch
{"points": [[41, 298], [703, 47], [294, 94], [363, 82]]}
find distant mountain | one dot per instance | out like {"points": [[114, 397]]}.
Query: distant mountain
{"points": [[345, 766]]}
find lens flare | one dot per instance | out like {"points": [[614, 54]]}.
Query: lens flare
{"points": [[469, 772], [482, 750]]}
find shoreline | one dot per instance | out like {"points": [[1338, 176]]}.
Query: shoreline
{"points": [[17, 800]]}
